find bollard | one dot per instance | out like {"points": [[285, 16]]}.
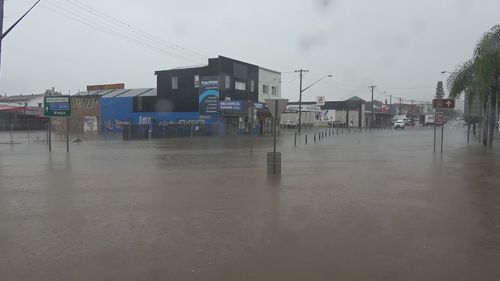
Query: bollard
{"points": [[337, 130], [306, 139], [314, 137], [295, 139]]}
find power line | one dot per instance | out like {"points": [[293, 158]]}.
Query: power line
{"points": [[81, 19], [133, 29]]}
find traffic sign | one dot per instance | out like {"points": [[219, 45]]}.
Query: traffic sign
{"points": [[320, 100], [276, 106], [438, 118], [57, 106], [443, 103]]}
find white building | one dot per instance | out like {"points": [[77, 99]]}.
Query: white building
{"points": [[33, 100], [269, 84]]}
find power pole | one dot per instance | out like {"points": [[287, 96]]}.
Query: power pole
{"points": [[400, 106], [1, 27], [390, 110], [301, 71], [372, 114]]}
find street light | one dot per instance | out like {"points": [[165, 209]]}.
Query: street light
{"points": [[303, 90]]}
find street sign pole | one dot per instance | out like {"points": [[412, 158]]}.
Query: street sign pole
{"points": [[442, 137], [276, 106], [50, 134], [67, 134], [275, 129], [434, 136]]}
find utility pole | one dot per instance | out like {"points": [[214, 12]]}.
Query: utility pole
{"points": [[400, 106], [390, 110], [301, 71], [411, 112], [372, 115]]}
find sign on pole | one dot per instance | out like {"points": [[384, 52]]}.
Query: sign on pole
{"points": [[443, 103], [438, 118], [57, 106], [320, 100], [281, 105]]}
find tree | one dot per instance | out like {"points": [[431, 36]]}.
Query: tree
{"points": [[439, 90], [481, 75], [487, 67]]}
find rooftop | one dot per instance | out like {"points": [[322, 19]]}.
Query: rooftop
{"points": [[20, 98], [142, 92]]}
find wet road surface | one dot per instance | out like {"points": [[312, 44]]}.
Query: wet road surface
{"points": [[360, 206]]}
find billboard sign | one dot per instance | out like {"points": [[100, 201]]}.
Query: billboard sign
{"points": [[57, 106], [209, 97], [320, 100]]}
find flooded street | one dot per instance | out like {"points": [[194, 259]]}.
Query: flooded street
{"points": [[355, 206]]}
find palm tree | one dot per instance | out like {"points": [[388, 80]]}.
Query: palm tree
{"points": [[481, 75], [487, 67], [462, 81]]}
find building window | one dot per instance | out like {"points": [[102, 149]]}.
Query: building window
{"points": [[240, 85], [252, 86], [274, 91], [39, 104], [227, 81], [175, 82], [265, 89], [196, 81]]}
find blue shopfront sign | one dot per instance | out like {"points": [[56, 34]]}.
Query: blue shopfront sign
{"points": [[230, 106]]}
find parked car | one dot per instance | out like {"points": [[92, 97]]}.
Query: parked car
{"points": [[289, 124], [400, 124]]}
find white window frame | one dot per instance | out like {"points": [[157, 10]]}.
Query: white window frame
{"points": [[196, 80], [175, 82], [238, 85]]}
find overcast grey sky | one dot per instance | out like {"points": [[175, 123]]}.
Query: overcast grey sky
{"points": [[399, 45]]}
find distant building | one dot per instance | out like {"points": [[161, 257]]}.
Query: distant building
{"points": [[238, 81], [348, 113], [33, 100]]}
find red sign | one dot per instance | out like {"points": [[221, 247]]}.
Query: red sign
{"points": [[438, 118], [443, 103]]}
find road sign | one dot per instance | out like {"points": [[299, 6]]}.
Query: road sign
{"points": [[280, 104], [57, 106], [438, 118], [443, 103], [320, 100]]}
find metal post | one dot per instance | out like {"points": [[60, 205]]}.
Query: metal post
{"points": [[434, 135], [300, 102], [306, 139], [295, 139], [28, 130], [275, 129], [67, 134], [11, 133], [442, 137], [50, 134]]}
